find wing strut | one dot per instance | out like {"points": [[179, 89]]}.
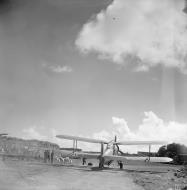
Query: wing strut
{"points": [[149, 151], [74, 146], [102, 149], [101, 158]]}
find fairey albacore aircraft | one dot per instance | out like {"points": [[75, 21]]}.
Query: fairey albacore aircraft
{"points": [[110, 150]]}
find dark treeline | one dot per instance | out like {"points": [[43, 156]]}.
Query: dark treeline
{"points": [[175, 151]]}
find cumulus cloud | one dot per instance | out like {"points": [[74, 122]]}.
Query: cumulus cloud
{"points": [[40, 133], [33, 133], [153, 32], [57, 68], [151, 128], [61, 69]]}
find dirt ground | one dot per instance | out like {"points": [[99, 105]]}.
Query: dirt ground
{"points": [[27, 175], [157, 176]]}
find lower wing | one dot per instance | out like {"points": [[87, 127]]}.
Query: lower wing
{"points": [[126, 158], [86, 155]]}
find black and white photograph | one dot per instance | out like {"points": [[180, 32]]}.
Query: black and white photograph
{"points": [[93, 94]]}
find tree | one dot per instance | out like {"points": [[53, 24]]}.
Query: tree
{"points": [[173, 151], [162, 151]]}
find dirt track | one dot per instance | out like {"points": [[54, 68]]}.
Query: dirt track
{"points": [[22, 175]]}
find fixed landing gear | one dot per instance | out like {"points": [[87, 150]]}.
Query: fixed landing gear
{"points": [[101, 163]]}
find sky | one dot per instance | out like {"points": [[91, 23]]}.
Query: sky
{"points": [[94, 69]]}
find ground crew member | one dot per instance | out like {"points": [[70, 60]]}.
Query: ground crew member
{"points": [[83, 161], [45, 156], [52, 155], [120, 165]]}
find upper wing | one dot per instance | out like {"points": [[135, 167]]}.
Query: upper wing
{"points": [[84, 139], [140, 142]]}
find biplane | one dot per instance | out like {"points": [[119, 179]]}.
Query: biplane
{"points": [[110, 151]]}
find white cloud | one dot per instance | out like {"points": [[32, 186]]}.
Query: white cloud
{"points": [[60, 69], [57, 68], [151, 128], [143, 68], [40, 133], [33, 133], [153, 31]]}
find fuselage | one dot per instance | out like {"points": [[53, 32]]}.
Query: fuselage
{"points": [[109, 152]]}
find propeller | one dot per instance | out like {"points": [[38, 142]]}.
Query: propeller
{"points": [[115, 140], [118, 150]]}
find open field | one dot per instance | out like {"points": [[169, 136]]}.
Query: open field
{"points": [[27, 175]]}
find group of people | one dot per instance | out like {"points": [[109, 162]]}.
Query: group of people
{"points": [[48, 156]]}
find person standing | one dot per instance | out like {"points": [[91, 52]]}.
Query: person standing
{"points": [[52, 155], [120, 165], [83, 161], [44, 155], [48, 155]]}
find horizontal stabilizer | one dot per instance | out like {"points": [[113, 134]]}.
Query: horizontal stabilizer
{"points": [[84, 139], [140, 142]]}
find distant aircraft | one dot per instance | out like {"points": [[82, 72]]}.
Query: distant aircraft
{"points": [[185, 6], [111, 152]]}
